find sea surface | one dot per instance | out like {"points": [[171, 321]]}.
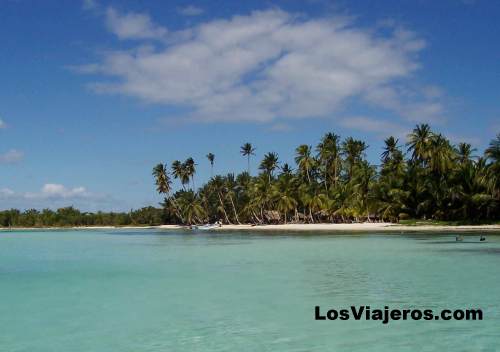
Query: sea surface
{"points": [[153, 290]]}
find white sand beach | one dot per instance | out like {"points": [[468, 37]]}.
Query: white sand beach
{"points": [[366, 226]]}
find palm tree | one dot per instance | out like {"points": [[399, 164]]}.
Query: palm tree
{"points": [[190, 169], [329, 157], [419, 143], [283, 195], [353, 151], [211, 159], [390, 150], [163, 186], [441, 154], [304, 160], [179, 172], [464, 151], [492, 153], [191, 208], [269, 164], [162, 180], [247, 150]]}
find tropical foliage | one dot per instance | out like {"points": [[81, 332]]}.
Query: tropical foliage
{"points": [[426, 178]]}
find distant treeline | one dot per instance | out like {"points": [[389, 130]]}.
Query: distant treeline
{"points": [[69, 216]]}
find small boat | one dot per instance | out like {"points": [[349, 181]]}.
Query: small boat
{"points": [[205, 227], [482, 238]]}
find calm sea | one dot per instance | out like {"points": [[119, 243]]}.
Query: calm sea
{"points": [[151, 290]]}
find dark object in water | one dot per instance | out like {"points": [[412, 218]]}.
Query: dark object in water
{"points": [[482, 238], [459, 238]]}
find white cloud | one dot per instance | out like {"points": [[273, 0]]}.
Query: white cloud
{"points": [[133, 25], [11, 157], [2, 124], [54, 196], [190, 10], [57, 191], [268, 65]]}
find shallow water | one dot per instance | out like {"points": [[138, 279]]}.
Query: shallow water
{"points": [[151, 290]]}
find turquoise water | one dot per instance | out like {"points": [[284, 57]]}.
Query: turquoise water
{"points": [[148, 290]]}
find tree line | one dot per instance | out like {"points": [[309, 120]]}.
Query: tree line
{"points": [[426, 178], [69, 216]]}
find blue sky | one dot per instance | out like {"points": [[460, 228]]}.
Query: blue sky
{"points": [[95, 93]]}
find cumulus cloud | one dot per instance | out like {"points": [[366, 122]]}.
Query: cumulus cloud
{"points": [[133, 25], [190, 10], [53, 195], [267, 65], [57, 191], [11, 157]]}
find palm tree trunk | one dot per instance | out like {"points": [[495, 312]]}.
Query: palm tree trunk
{"points": [[177, 211], [255, 216], [234, 210], [223, 208]]}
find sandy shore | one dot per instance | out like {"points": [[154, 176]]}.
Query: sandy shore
{"points": [[386, 227], [367, 226]]}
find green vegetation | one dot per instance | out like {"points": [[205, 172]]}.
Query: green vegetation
{"points": [[431, 180], [66, 217]]}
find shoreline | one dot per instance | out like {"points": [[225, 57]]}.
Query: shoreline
{"points": [[322, 227]]}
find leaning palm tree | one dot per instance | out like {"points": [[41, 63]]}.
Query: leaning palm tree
{"points": [[211, 159], [247, 150]]}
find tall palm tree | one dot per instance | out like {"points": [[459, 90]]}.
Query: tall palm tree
{"points": [[163, 186], [211, 159], [190, 169], [269, 164], [329, 157], [353, 151], [419, 141], [247, 150], [304, 160], [391, 149], [179, 172]]}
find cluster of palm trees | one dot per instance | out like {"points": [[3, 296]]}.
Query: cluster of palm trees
{"points": [[333, 182]]}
